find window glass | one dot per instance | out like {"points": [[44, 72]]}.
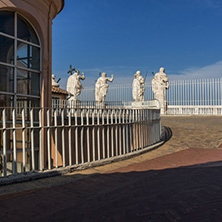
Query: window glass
{"points": [[6, 50], [27, 102], [6, 79], [28, 56], [28, 83], [7, 22], [25, 31], [6, 101], [35, 84]]}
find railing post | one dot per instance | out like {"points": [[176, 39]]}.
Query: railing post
{"points": [[137, 131], [88, 146], [32, 140], [127, 131], [70, 137], [103, 133], [98, 135], [49, 138], [56, 138], [82, 128], [76, 136], [14, 169], [107, 134], [142, 128], [130, 127], [63, 139], [134, 131], [93, 134], [112, 138], [40, 140], [23, 142], [116, 132], [124, 135], [120, 137], [4, 143]]}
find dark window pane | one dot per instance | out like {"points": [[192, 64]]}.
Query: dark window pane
{"points": [[6, 79], [28, 83], [7, 22], [6, 50], [27, 103], [6, 101], [28, 56], [25, 31], [35, 84]]}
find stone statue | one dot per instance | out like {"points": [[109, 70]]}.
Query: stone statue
{"points": [[159, 85], [74, 85], [101, 87], [138, 87], [54, 83]]}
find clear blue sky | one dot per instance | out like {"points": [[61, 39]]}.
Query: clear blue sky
{"points": [[123, 36]]}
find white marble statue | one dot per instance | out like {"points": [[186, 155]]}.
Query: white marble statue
{"points": [[159, 85], [74, 85], [101, 87], [138, 87], [54, 83]]}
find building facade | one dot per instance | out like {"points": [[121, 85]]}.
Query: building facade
{"points": [[25, 77], [26, 51]]}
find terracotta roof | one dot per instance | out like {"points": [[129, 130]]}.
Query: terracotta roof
{"points": [[59, 91]]}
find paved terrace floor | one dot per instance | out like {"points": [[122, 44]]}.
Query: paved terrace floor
{"points": [[179, 181]]}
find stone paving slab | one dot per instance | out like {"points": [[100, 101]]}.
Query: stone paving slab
{"points": [[141, 193], [172, 183], [187, 157]]}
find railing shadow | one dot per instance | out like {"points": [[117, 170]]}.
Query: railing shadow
{"points": [[167, 133], [191, 193]]}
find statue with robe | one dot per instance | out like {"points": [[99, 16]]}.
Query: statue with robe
{"points": [[101, 87], [74, 85], [138, 87], [160, 84]]}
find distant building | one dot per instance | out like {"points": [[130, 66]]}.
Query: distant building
{"points": [[59, 96]]}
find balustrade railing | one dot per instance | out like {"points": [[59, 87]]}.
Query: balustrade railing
{"points": [[186, 97], [38, 139]]}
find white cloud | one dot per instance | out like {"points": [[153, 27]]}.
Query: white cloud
{"points": [[209, 71], [124, 75]]}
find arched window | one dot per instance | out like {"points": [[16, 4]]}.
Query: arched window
{"points": [[20, 65]]}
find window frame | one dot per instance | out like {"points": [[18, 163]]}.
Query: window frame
{"points": [[17, 67]]}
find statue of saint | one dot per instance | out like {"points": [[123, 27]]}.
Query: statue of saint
{"points": [[74, 85], [138, 87], [159, 85], [54, 83], [101, 87]]}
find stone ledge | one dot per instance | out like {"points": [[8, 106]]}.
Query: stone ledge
{"points": [[61, 171]]}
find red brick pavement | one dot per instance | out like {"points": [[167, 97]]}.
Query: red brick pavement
{"points": [[154, 190], [191, 156]]}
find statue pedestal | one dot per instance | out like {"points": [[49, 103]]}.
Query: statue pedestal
{"points": [[137, 105], [74, 103], [100, 105], [147, 104]]}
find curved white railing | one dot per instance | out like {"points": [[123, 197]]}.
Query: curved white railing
{"points": [[35, 139]]}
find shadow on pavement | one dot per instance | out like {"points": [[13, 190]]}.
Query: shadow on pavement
{"points": [[167, 133], [191, 193]]}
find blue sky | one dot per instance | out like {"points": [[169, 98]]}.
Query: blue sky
{"points": [[123, 36]]}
